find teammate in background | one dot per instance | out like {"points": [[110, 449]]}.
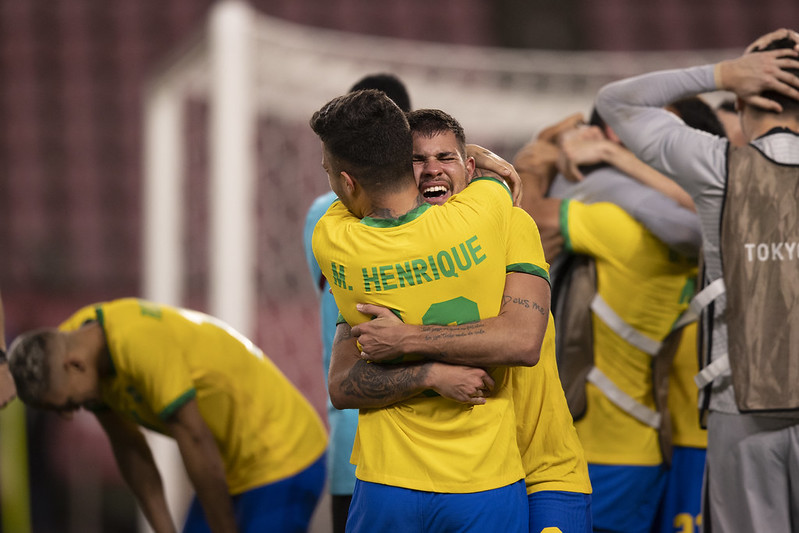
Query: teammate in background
{"points": [[616, 419], [743, 195], [556, 475], [341, 473], [599, 159], [7, 389], [252, 445], [404, 447]]}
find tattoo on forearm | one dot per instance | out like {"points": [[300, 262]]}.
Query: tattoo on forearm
{"points": [[527, 304], [434, 333], [383, 382]]}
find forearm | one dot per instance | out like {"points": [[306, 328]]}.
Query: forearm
{"points": [[207, 475], [512, 338], [634, 109], [490, 342], [624, 160], [138, 469], [357, 384], [204, 467], [375, 385], [536, 164]]}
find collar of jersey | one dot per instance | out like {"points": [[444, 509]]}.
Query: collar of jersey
{"points": [[413, 214], [101, 321]]}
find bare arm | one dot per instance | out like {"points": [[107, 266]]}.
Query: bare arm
{"points": [[511, 338], [356, 384], [536, 163], [587, 146], [204, 466], [138, 468], [490, 163], [8, 390]]}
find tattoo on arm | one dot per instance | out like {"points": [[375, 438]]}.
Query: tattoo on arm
{"points": [[391, 383], [434, 333], [527, 304]]}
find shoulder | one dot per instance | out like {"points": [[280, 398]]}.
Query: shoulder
{"points": [[318, 208]]}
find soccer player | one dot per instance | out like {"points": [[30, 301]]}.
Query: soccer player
{"points": [[556, 474], [340, 472], [383, 244], [252, 445]]}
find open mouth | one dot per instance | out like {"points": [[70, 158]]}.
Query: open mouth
{"points": [[436, 193]]}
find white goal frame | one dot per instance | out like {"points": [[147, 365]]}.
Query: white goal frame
{"points": [[246, 65]]}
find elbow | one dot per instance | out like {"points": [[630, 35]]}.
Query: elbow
{"points": [[338, 399], [529, 357], [339, 403], [528, 351]]}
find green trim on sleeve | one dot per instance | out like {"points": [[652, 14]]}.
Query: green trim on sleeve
{"points": [[564, 225], [340, 319], [528, 268], [179, 402], [489, 178]]}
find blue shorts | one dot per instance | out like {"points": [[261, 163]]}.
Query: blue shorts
{"points": [[285, 506], [378, 507], [681, 508], [566, 512], [626, 498]]}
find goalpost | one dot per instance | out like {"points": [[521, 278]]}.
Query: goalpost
{"points": [[257, 80]]}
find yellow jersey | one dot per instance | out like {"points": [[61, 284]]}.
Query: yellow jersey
{"points": [[552, 455], [435, 265], [642, 281], [162, 357]]}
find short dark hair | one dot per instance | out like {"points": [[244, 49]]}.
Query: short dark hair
{"points": [[369, 137], [431, 122], [698, 115], [788, 104], [389, 84], [29, 363]]}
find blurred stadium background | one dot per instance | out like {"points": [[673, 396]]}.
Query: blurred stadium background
{"points": [[80, 82]]}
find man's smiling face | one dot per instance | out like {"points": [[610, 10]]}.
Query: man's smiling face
{"points": [[439, 167]]}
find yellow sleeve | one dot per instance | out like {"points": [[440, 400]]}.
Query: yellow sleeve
{"points": [[525, 253]]}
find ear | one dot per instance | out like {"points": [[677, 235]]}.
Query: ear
{"points": [[349, 182], [470, 166]]}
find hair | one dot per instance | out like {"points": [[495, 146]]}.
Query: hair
{"points": [[390, 85], [369, 137], [698, 115], [788, 104], [431, 122], [29, 363], [597, 120], [728, 106]]}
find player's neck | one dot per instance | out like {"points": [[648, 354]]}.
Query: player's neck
{"points": [[395, 205]]}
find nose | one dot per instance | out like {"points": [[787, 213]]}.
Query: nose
{"points": [[432, 167]]}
